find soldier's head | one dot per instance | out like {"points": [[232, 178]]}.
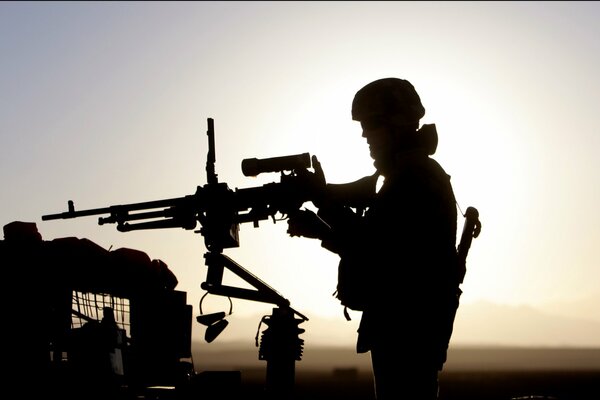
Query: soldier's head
{"points": [[389, 111]]}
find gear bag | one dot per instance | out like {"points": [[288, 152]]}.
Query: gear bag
{"points": [[350, 290]]}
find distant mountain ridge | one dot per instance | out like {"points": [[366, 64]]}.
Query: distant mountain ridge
{"points": [[479, 323], [487, 336], [489, 323], [586, 307]]}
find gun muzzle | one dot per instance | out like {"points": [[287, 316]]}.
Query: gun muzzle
{"points": [[255, 166]]}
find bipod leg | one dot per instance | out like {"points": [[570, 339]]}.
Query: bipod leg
{"points": [[281, 347]]}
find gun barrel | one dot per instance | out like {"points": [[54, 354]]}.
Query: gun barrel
{"points": [[116, 210], [71, 213]]}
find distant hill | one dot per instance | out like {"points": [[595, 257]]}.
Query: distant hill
{"points": [[586, 307], [480, 323], [492, 324], [487, 337]]}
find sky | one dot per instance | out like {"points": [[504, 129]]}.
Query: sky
{"points": [[107, 103]]}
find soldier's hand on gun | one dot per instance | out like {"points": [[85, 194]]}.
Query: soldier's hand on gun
{"points": [[307, 224], [313, 182]]}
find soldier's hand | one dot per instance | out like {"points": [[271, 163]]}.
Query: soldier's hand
{"points": [[307, 224], [313, 182], [319, 174]]}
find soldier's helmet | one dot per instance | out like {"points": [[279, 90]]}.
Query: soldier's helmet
{"points": [[391, 99]]}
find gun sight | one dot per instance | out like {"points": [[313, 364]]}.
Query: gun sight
{"points": [[255, 166]]}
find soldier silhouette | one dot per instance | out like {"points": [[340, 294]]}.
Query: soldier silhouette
{"points": [[397, 245]]}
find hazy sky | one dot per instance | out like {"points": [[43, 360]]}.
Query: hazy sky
{"points": [[106, 103]]}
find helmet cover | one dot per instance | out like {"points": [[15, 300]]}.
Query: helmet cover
{"points": [[392, 99]]}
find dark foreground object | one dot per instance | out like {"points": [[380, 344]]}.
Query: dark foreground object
{"points": [[350, 384], [490, 385], [455, 385]]}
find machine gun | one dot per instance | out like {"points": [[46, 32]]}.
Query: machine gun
{"points": [[220, 211]]}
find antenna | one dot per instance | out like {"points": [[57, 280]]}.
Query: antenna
{"points": [[211, 176]]}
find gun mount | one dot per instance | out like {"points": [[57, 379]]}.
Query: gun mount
{"points": [[220, 210]]}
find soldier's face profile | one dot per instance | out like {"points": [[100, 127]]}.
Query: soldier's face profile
{"points": [[378, 135]]}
